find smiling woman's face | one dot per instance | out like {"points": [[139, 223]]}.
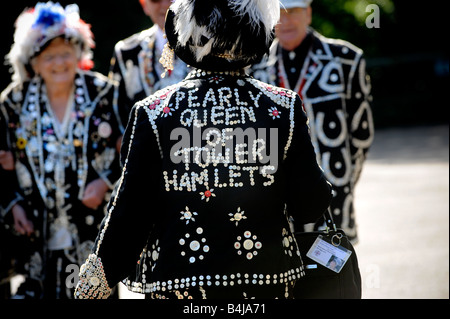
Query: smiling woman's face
{"points": [[293, 27], [57, 63]]}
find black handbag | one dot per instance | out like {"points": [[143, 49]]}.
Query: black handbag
{"points": [[321, 282]]}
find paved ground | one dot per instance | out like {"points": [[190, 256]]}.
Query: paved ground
{"points": [[402, 205]]}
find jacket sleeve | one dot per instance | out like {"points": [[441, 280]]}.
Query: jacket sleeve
{"points": [[131, 210], [309, 193], [360, 118]]}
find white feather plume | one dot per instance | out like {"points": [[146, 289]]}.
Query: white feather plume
{"points": [[265, 12]]}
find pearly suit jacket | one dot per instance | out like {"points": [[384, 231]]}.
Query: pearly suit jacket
{"points": [[135, 65], [211, 166]]}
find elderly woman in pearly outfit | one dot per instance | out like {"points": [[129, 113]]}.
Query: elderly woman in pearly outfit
{"points": [[62, 131]]}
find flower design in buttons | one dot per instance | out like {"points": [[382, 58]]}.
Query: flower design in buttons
{"points": [[274, 113], [153, 254], [248, 244], [238, 216], [154, 104], [216, 79], [288, 243], [187, 215], [155, 251], [196, 244], [208, 194], [167, 111]]}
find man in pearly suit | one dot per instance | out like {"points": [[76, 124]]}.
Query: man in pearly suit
{"points": [[135, 62], [330, 77]]}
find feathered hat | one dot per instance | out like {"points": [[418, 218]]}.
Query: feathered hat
{"points": [[36, 27], [221, 35]]}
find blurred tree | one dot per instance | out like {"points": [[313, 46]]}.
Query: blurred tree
{"points": [[346, 19], [406, 55]]}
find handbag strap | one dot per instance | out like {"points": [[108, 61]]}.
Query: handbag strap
{"points": [[336, 239], [329, 221]]}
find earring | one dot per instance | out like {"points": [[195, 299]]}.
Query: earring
{"points": [[166, 59]]}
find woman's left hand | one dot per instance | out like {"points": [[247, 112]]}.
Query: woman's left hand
{"points": [[6, 160]]}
